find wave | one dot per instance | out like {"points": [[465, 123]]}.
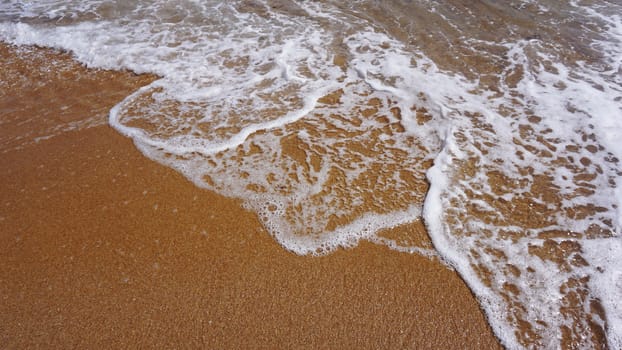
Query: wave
{"points": [[335, 121]]}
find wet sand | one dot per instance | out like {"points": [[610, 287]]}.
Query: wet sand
{"points": [[103, 248]]}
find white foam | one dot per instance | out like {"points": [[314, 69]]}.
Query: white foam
{"points": [[451, 249], [605, 256], [588, 103]]}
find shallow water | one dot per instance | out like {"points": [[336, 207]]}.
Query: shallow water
{"points": [[495, 123]]}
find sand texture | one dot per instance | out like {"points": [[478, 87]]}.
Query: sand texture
{"points": [[103, 248]]}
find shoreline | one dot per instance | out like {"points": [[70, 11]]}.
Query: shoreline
{"points": [[106, 248]]}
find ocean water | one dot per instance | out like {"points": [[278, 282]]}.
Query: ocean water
{"points": [[496, 123]]}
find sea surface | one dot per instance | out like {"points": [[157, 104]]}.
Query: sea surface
{"points": [[496, 123]]}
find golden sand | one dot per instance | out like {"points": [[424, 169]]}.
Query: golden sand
{"points": [[103, 248]]}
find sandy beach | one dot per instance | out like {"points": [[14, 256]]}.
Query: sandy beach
{"points": [[104, 248]]}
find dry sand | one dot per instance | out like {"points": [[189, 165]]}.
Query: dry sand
{"points": [[103, 248]]}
